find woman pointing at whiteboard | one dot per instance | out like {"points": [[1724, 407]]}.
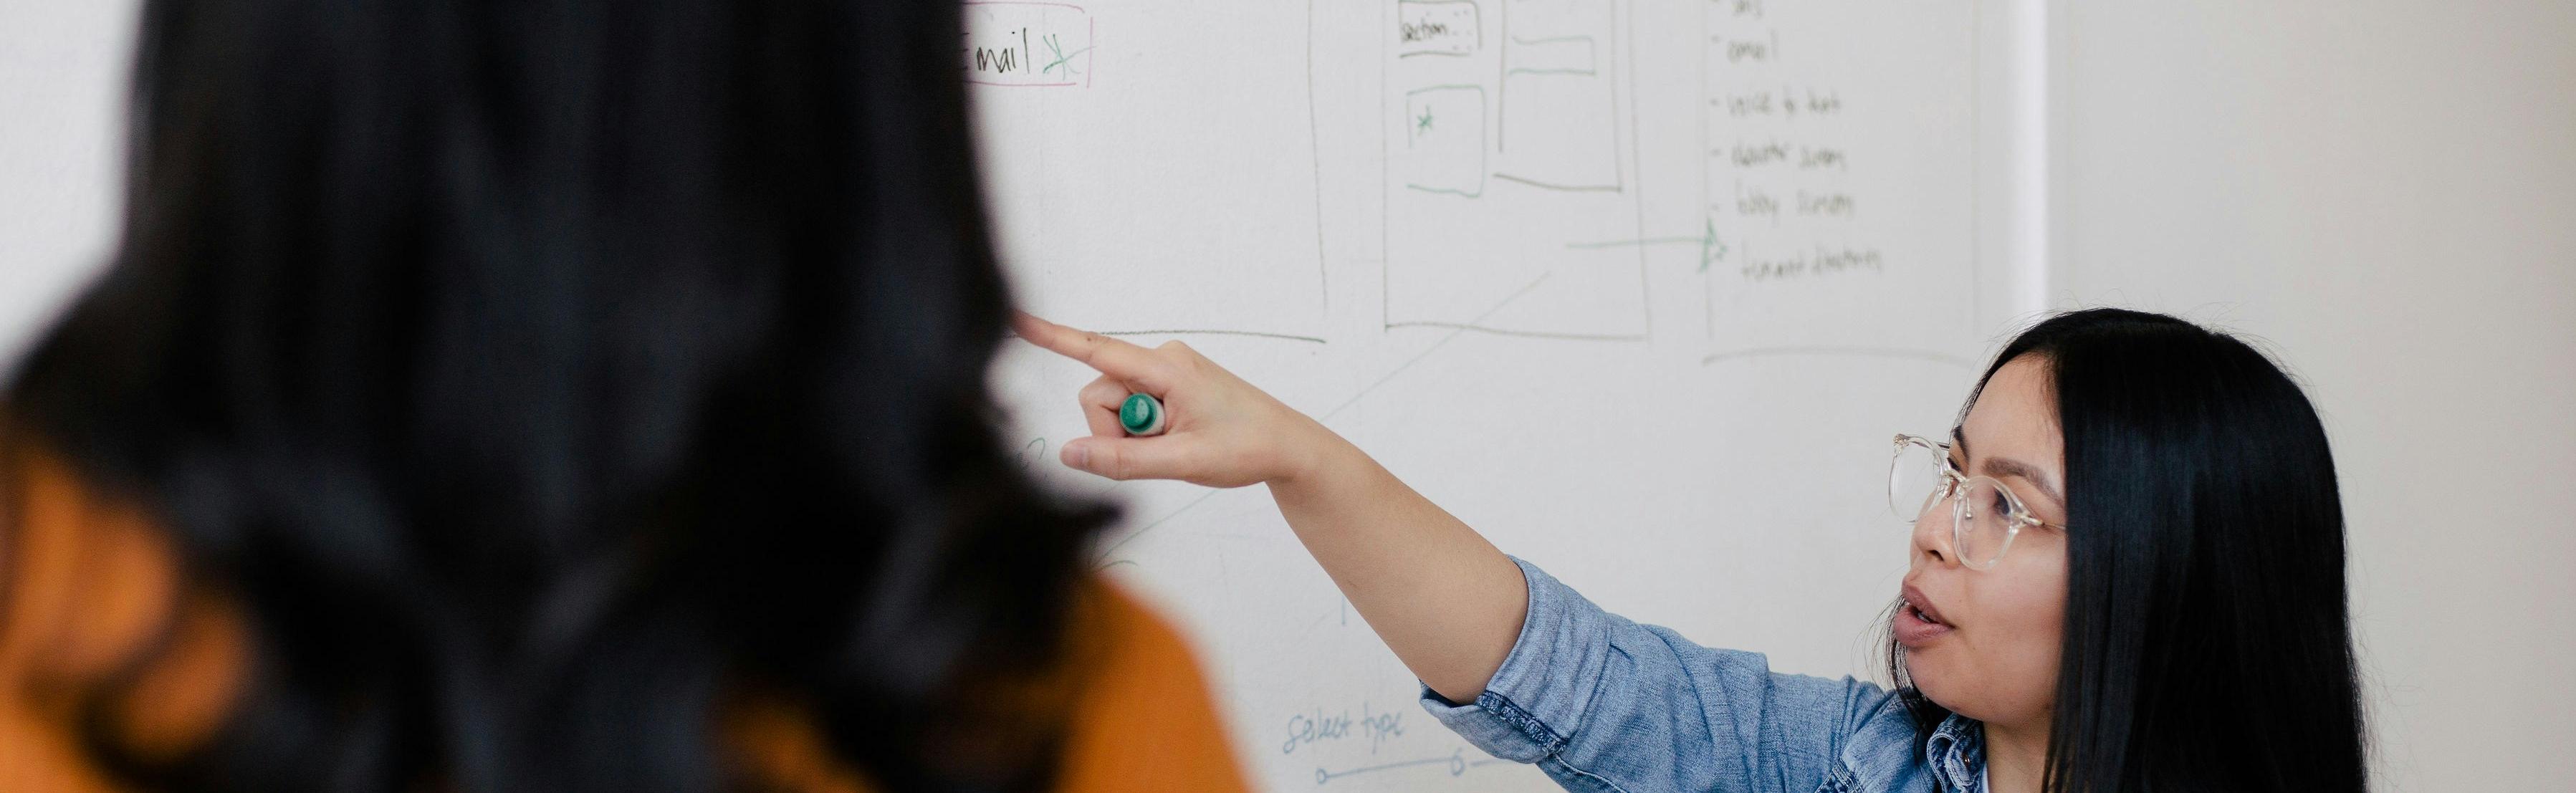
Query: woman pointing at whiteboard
{"points": [[2126, 575]]}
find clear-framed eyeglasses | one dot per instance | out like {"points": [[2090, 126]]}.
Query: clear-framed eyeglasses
{"points": [[1985, 516]]}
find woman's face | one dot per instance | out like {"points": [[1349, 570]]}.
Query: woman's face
{"points": [[1991, 652]]}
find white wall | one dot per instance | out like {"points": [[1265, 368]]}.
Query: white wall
{"points": [[2386, 191], [62, 75]]}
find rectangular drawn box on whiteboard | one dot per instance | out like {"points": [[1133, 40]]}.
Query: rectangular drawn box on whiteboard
{"points": [[1438, 27], [1044, 45], [1505, 161]]}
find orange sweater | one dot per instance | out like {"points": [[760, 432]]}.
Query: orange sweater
{"points": [[85, 582]]}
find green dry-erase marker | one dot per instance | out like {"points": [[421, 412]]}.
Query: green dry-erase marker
{"points": [[1141, 414]]}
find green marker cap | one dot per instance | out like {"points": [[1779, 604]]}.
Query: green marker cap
{"points": [[1141, 414]]}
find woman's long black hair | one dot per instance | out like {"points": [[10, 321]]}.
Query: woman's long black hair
{"points": [[2207, 646], [539, 377]]}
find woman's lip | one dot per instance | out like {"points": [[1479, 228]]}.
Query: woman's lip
{"points": [[1913, 632], [1915, 598]]}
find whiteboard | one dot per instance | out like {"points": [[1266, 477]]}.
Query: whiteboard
{"points": [[1758, 236], [1638, 289], [1732, 514]]}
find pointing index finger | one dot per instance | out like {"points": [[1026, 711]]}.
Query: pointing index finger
{"points": [[1111, 356]]}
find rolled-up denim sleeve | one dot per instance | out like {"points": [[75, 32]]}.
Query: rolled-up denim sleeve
{"points": [[1602, 703]]}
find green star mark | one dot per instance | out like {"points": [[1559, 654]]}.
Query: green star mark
{"points": [[1062, 58]]}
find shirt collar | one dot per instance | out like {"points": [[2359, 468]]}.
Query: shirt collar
{"points": [[1957, 754]]}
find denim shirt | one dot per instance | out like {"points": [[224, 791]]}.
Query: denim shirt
{"points": [[1604, 704]]}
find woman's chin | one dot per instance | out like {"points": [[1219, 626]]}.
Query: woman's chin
{"points": [[1931, 680], [1980, 705]]}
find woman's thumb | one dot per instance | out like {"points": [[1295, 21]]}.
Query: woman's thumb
{"points": [[1127, 458]]}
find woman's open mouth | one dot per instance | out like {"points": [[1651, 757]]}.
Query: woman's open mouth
{"points": [[1917, 621]]}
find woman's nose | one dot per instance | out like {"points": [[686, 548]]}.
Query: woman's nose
{"points": [[1932, 532]]}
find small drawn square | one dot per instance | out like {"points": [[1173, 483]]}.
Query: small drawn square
{"points": [[1444, 140]]}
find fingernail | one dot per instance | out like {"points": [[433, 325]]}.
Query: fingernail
{"points": [[1078, 455]]}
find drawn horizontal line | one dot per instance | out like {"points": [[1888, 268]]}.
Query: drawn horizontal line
{"points": [[1322, 776], [1531, 334], [1435, 347], [1552, 40], [1456, 761], [1446, 190], [1212, 332], [1571, 188], [1447, 87], [1633, 243], [1871, 352]]}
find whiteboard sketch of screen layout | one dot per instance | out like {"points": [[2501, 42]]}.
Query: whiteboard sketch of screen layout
{"points": [[1831, 149], [1511, 144]]}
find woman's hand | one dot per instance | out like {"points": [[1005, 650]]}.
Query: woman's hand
{"points": [[1223, 431], [1444, 599]]}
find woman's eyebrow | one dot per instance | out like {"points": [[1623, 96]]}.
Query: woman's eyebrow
{"points": [[2005, 466]]}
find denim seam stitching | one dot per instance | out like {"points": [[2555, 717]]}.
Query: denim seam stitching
{"points": [[1549, 743]]}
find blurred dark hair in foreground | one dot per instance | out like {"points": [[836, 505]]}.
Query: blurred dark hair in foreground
{"points": [[543, 377]]}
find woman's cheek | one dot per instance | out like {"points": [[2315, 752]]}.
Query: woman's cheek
{"points": [[2040, 628]]}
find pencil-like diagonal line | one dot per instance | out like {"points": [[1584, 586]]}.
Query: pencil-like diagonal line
{"points": [[1167, 516], [1453, 334], [1636, 242]]}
